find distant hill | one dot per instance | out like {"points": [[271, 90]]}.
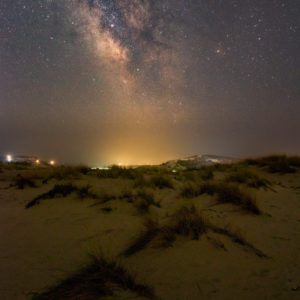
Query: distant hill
{"points": [[198, 161]]}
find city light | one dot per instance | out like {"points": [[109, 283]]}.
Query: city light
{"points": [[37, 161], [52, 162], [8, 157]]}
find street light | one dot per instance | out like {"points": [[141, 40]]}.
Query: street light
{"points": [[8, 157]]}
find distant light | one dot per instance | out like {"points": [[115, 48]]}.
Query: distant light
{"points": [[37, 161], [9, 158], [52, 162], [174, 171]]}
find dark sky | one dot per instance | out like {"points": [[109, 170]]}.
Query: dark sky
{"points": [[143, 81]]}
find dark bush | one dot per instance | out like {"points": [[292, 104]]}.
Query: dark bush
{"points": [[99, 279]]}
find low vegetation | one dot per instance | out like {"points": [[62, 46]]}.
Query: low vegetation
{"points": [[144, 238], [188, 222], [248, 178], [100, 278], [63, 190], [21, 182], [237, 237], [115, 172], [276, 163], [225, 193], [159, 181], [230, 193], [143, 199]]}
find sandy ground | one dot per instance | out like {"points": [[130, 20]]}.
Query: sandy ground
{"points": [[42, 245]]}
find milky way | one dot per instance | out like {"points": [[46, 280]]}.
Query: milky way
{"points": [[142, 81]]}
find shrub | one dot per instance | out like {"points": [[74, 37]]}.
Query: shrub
{"points": [[59, 190], [85, 192], [189, 190], [248, 178], [100, 278], [21, 182], [188, 221], [206, 173], [276, 163], [161, 181], [144, 199], [116, 172], [63, 190], [228, 193]]}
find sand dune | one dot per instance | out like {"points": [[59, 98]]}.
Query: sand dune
{"points": [[44, 244]]}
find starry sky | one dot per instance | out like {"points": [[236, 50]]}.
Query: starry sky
{"points": [[144, 81]]}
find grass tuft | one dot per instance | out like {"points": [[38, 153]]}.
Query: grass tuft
{"points": [[21, 182], [161, 181], [276, 163], [99, 279], [59, 190], [188, 222], [143, 239], [249, 178], [230, 193]]}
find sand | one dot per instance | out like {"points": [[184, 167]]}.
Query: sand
{"points": [[42, 245]]}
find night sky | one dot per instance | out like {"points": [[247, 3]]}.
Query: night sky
{"points": [[143, 81]]}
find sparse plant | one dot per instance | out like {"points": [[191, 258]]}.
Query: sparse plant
{"points": [[188, 221], [230, 193], [189, 190], [237, 237], [116, 172], [85, 192], [249, 178], [276, 163], [144, 238], [144, 199], [59, 190], [161, 181], [206, 173], [21, 182], [106, 209], [99, 279]]}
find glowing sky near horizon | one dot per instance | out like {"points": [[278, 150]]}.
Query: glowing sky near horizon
{"points": [[143, 81]]}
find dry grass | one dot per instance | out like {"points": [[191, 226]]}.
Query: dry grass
{"points": [[144, 199], [64, 190], [99, 279], [21, 182], [230, 193], [143, 239], [186, 221], [238, 237], [276, 163], [248, 178], [225, 192]]}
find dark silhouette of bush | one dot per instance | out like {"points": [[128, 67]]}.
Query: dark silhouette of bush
{"points": [[143, 239], [99, 279], [225, 192], [276, 163], [64, 190], [143, 199], [249, 178], [21, 182], [161, 181]]}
